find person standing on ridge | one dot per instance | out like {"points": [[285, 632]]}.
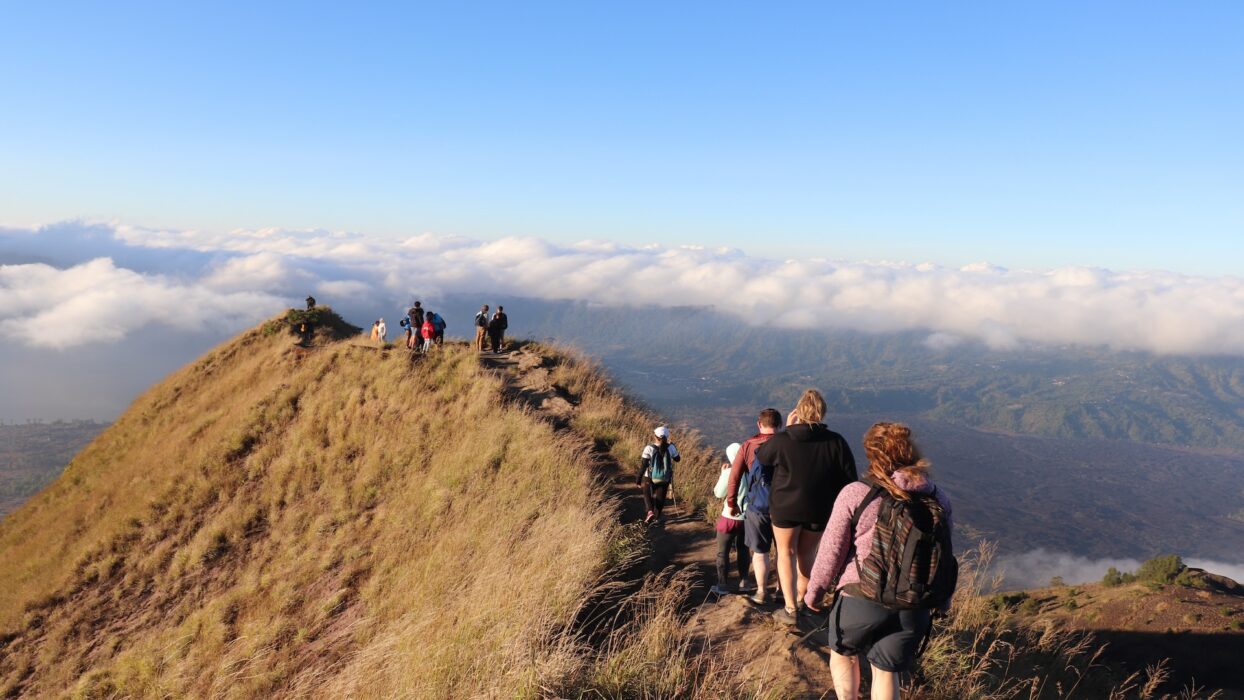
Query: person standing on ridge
{"points": [[415, 316], [754, 504], [428, 332], [481, 327], [898, 487], [439, 322], [375, 331], [729, 531], [656, 472], [383, 331], [310, 302], [496, 328], [811, 464]]}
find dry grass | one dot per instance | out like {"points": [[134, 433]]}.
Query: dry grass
{"points": [[337, 522]]}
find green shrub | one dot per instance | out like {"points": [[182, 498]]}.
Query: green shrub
{"points": [[1030, 606], [1162, 569], [1112, 578], [1007, 601], [1057, 582], [1070, 604]]}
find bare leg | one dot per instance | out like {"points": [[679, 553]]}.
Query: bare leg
{"points": [[760, 567], [846, 673], [885, 684], [784, 539], [806, 557]]}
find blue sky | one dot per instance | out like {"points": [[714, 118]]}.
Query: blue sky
{"points": [[1026, 134]]}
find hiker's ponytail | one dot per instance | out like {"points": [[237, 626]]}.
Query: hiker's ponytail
{"points": [[890, 449]]}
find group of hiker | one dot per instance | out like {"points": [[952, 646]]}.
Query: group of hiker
{"points": [[880, 547], [490, 332], [425, 329]]}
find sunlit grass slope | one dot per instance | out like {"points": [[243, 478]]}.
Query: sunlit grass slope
{"points": [[339, 521]]}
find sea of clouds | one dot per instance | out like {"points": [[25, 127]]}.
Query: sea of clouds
{"points": [[1034, 569], [116, 279]]}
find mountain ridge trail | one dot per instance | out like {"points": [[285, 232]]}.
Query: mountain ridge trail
{"points": [[777, 659]]}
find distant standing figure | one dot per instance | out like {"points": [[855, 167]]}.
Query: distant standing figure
{"points": [[656, 472], [375, 331], [496, 329], [428, 332], [439, 322], [416, 317], [310, 302], [383, 331], [481, 327]]}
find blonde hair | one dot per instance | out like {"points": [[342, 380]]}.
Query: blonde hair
{"points": [[809, 409], [890, 448]]}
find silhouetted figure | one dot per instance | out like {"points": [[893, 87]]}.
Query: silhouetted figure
{"points": [[481, 328], [496, 329], [310, 302]]}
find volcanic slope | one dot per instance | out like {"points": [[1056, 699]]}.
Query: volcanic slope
{"points": [[345, 520]]}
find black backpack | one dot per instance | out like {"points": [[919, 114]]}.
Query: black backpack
{"points": [[912, 563]]}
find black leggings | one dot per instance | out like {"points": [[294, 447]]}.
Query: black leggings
{"points": [[654, 495], [742, 556]]}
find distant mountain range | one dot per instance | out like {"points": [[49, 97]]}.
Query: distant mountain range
{"points": [[701, 357]]}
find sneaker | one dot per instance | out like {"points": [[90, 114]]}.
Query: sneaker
{"points": [[651, 516], [719, 590], [786, 616], [746, 587], [758, 600]]}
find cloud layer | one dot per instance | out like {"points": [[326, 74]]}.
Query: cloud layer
{"points": [[1034, 569], [238, 276]]}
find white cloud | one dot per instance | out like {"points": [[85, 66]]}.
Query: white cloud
{"points": [[1160, 312], [42, 306]]}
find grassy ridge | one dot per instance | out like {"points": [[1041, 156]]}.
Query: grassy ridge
{"points": [[277, 521]]}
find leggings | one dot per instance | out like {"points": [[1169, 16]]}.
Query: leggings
{"points": [[742, 556], [654, 495]]}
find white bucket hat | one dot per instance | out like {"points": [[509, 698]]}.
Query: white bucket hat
{"points": [[662, 432]]}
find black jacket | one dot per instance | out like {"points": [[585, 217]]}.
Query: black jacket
{"points": [[811, 464]]}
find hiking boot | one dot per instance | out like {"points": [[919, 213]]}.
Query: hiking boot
{"points": [[786, 616], [758, 600]]}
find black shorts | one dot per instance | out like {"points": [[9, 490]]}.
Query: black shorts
{"points": [[890, 638], [808, 527], [757, 532]]}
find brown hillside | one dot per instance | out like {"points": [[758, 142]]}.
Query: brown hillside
{"points": [[341, 520]]}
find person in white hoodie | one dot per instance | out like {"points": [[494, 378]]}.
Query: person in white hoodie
{"points": [[382, 331], [730, 530]]}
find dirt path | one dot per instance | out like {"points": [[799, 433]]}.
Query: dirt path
{"points": [[773, 656]]}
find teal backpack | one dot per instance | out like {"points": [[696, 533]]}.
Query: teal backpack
{"points": [[662, 469]]}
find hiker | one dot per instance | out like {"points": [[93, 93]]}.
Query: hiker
{"points": [[405, 323], [656, 472], [897, 496], [748, 493], [729, 530], [481, 327], [439, 322], [383, 331], [310, 302], [811, 464], [415, 316], [375, 331], [428, 332], [496, 328]]}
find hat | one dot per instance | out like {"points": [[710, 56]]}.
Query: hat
{"points": [[662, 432], [732, 451]]}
